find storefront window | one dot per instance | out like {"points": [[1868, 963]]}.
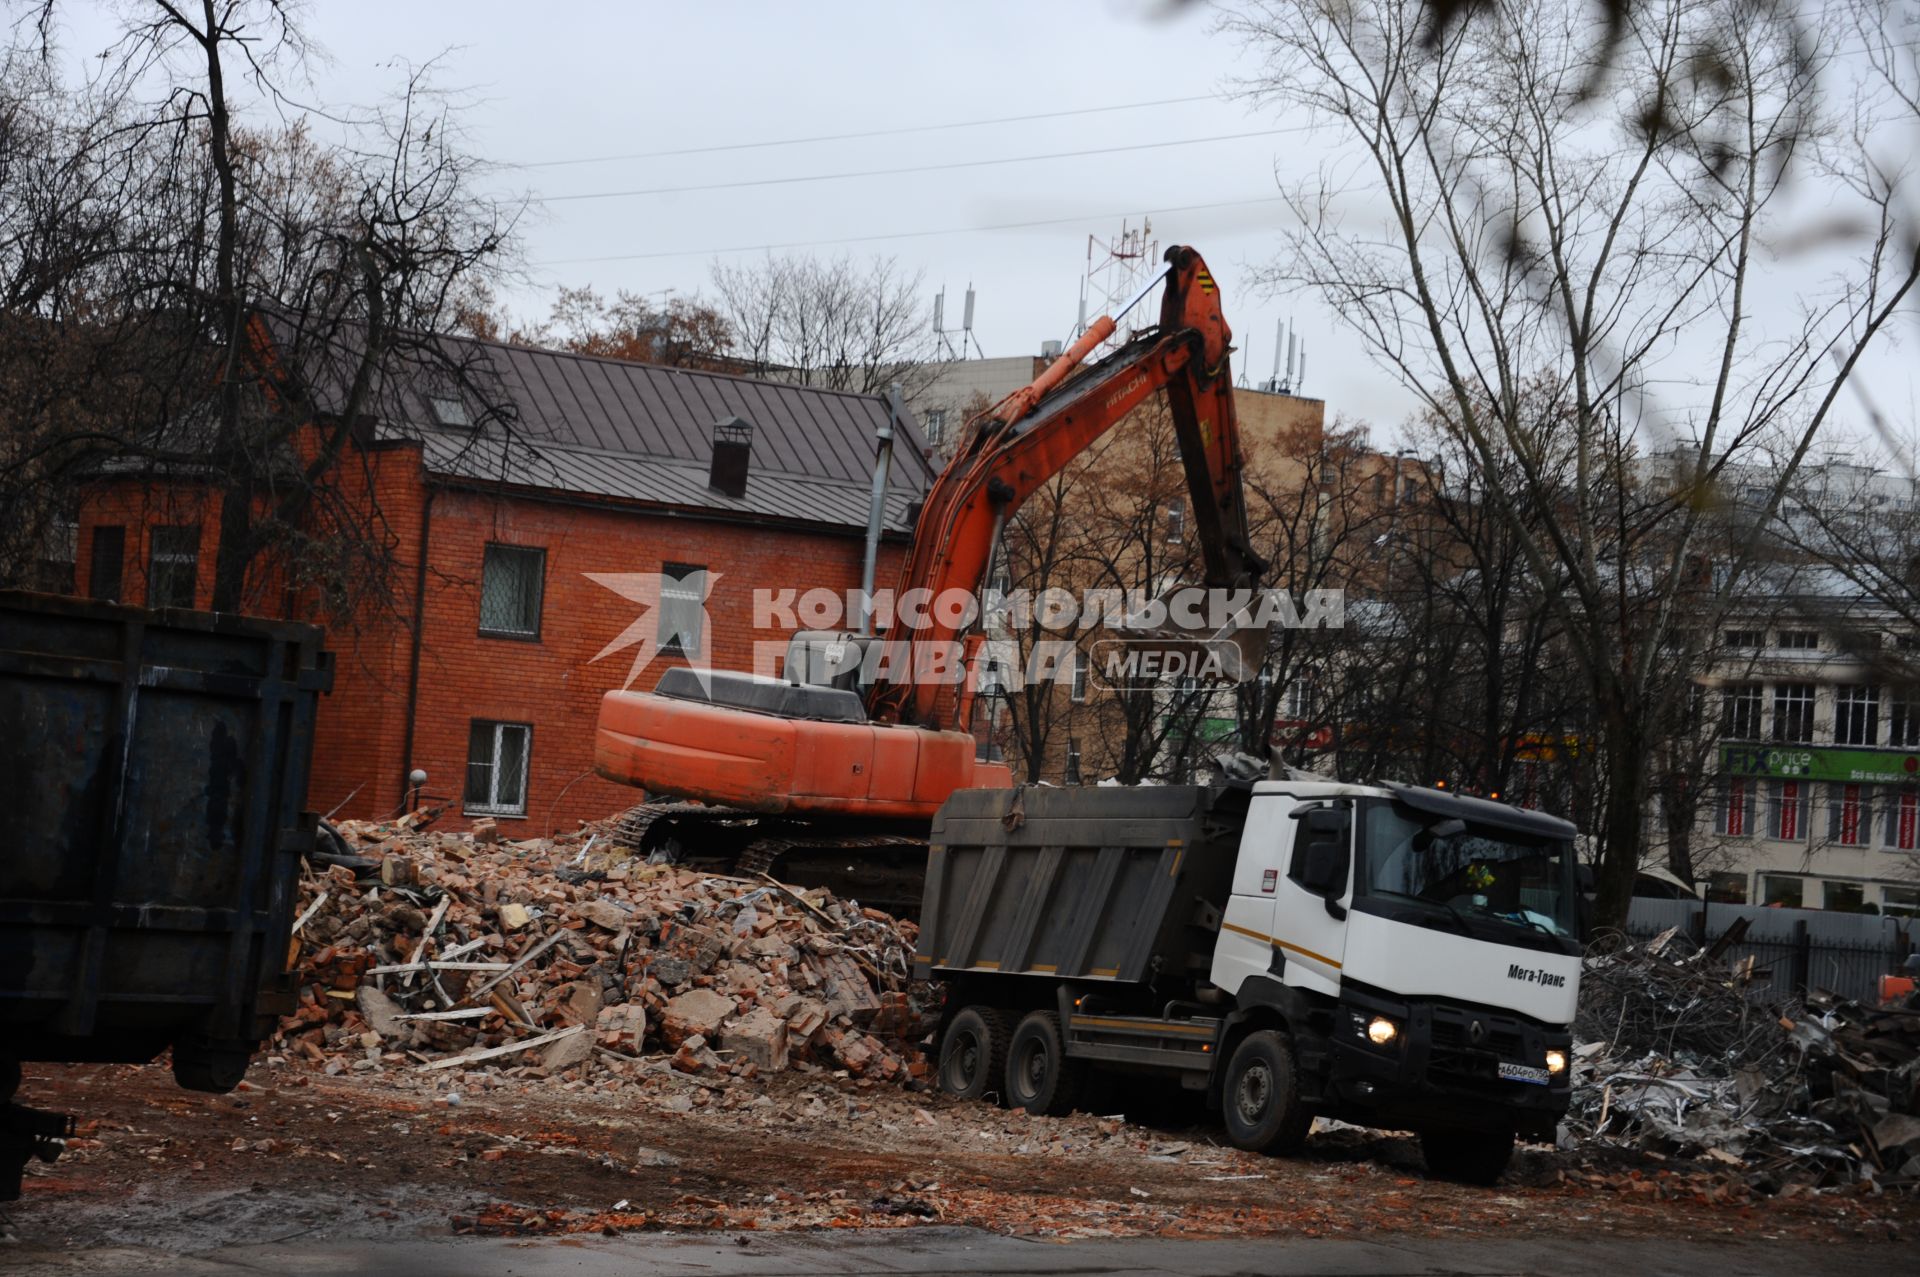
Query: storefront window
{"points": [[1786, 892], [1727, 888]]}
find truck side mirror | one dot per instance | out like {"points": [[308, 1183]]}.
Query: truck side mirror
{"points": [[1322, 856]]}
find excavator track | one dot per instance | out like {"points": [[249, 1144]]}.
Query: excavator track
{"points": [[884, 869]]}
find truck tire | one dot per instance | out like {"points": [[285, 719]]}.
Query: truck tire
{"points": [[1040, 1077], [973, 1053], [1472, 1157], [1260, 1095], [200, 1067]]}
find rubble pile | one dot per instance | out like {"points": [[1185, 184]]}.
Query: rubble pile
{"points": [[568, 957], [1678, 1053]]}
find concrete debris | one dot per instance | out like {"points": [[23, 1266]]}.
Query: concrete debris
{"points": [[1678, 1054], [422, 951]]}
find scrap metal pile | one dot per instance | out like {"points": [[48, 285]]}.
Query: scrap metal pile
{"points": [[421, 951], [1678, 1053]]}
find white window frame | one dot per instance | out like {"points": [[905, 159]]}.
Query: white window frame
{"points": [[500, 552], [450, 411], [1077, 690], [1797, 644], [674, 588], [1856, 714], [1784, 796], [1863, 800], [495, 804], [1176, 525], [190, 559], [1803, 694], [1736, 794], [1900, 806], [1300, 703], [1903, 718], [1753, 697]]}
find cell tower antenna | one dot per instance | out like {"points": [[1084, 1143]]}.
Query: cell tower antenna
{"points": [[966, 326], [1117, 269], [1291, 337]]}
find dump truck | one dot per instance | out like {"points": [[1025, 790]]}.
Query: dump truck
{"points": [[153, 833], [1391, 956]]}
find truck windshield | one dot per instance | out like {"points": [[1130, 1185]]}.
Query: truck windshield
{"points": [[1474, 873]]}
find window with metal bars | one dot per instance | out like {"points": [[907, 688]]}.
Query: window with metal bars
{"points": [[512, 578], [683, 612], [1793, 712], [173, 566], [1856, 714], [497, 755]]}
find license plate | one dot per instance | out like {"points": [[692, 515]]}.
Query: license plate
{"points": [[1523, 1073]]}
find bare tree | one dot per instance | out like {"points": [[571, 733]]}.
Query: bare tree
{"points": [[263, 297], [1601, 238], [832, 323]]}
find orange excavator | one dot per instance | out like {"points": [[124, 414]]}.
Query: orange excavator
{"points": [[832, 773]]}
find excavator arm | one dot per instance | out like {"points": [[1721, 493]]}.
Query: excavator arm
{"points": [[1020, 443]]}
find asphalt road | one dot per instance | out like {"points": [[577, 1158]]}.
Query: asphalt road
{"points": [[930, 1251]]}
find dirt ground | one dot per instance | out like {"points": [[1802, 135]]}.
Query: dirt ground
{"points": [[399, 1153]]}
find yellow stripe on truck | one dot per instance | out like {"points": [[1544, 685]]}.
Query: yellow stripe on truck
{"points": [[1278, 943]]}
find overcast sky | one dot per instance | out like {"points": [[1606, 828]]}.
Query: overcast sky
{"points": [[561, 82]]}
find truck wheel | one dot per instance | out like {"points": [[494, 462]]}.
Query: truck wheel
{"points": [[209, 1068], [1040, 1077], [973, 1053], [1473, 1157], [1261, 1095]]}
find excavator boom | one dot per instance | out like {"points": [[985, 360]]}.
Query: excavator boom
{"points": [[1029, 437]]}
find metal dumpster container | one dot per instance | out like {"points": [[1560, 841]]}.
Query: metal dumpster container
{"points": [[155, 768]]}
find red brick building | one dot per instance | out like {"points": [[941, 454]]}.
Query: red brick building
{"points": [[488, 679]]}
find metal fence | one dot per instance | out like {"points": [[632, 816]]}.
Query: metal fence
{"points": [[1794, 950]]}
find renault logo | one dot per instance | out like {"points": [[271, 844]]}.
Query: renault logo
{"points": [[1476, 1033]]}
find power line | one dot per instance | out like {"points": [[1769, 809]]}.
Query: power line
{"points": [[847, 137], [914, 168], [1081, 219]]}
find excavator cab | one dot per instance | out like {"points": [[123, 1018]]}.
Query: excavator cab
{"points": [[833, 658]]}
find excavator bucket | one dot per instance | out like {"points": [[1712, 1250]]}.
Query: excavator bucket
{"points": [[1189, 641]]}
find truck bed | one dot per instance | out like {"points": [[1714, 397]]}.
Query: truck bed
{"points": [[1105, 884]]}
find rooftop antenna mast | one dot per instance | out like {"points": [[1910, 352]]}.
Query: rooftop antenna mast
{"points": [[1118, 269], [943, 335]]}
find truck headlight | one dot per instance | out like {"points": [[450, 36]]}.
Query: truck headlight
{"points": [[1381, 1031], [1556, 1060]]}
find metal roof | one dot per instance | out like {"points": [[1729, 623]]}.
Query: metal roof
{"points": [[566, 422]]}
